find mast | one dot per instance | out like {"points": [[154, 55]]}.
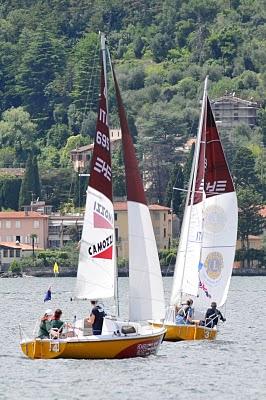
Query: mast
{"points": [[191, 193], [96, 267], [106, 52], [194, 170]]}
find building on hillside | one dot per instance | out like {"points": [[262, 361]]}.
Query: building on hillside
{"points": [[19, 226], [230, 111], [10, 251], [161, 220], [63, 229], [81, 156], [38, 206]]}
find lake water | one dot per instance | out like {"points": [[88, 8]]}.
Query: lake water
{"points": [[231, 367]]}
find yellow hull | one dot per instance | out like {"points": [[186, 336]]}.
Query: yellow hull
{"points": [[176, 333], [94, 347]]}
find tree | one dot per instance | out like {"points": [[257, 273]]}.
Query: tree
{"points": [[244, 168], [17, 131], [33, 237], [80, 186], [85, 67], [188, 165], [36, 179], [41, 61], [27, 189], [250, 221], [9, 192], [174, 197], [118, 172]]}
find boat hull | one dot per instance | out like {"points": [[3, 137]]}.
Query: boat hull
{"points": [[95, 347], [175, 333]]}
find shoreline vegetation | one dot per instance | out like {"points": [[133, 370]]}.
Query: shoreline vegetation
{"points": [[122, 272]]}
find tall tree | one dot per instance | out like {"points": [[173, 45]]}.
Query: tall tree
{"points": [[17, 130], [250, 221], [36, 179], [42, 60], [244, 168], [27, 187], [174, 196]]}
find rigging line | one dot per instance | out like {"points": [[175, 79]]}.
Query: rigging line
{"points": [[90, 88]]}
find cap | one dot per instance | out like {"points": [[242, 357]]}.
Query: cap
{"points": [[49, 311]]}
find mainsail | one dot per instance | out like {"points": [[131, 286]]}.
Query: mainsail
{"points": [[146, 297], [208, 237], [96, 267]]}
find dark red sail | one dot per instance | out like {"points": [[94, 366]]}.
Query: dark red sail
{"points": [[213, 175], [134, 185], [101, 169]]}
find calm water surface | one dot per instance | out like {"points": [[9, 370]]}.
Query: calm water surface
{"points": [[232, 367]]}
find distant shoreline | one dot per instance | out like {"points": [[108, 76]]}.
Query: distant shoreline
{"points": [[123, 272]]}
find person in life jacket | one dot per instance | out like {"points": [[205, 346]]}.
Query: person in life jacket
{"points": [[185, 313], [96, 317], [213, 315]]}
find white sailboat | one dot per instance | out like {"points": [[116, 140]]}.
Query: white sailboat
{"points": [[208, 236], [96, 276]]}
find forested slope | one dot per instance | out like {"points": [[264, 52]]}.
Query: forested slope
{"points": [[162, 50]]}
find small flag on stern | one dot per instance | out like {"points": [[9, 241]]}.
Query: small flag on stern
{"points": [[56, 268], [48, 295]]}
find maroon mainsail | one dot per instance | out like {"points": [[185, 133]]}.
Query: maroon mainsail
{"points": [[101, 170], [213, 175], [134, 185]]}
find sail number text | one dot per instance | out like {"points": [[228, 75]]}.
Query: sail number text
{"points": [[103, 140]]}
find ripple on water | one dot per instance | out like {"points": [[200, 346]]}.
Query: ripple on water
{"points": [[180, 371]]}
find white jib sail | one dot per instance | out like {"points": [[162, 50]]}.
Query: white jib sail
{"points": [[96, 267], [186, 277], [146, 296], [218, 248]]}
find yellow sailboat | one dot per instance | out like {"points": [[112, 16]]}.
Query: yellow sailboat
{"points": [[208, 235], [96, 276]]}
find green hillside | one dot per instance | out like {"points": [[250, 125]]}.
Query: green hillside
{"points": [[162, 51]]}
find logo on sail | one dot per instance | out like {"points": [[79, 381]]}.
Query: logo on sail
{"points": [[102, 249], [102, 218], [214, 264]]}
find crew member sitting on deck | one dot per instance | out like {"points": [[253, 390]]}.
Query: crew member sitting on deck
{"points": [[213, 315], [45, 324], [185, 314], [56, 324]]}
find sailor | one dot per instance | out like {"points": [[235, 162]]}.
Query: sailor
{"points": [[213, 315], [96, 317], [185, 313], [45, 324]]}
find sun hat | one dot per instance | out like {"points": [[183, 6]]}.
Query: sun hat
{"points": [[49, 311]]}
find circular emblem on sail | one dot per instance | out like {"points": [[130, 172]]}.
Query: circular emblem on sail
{"points": [[214, 219], [214, 264]]}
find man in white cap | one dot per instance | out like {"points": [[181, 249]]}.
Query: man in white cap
{"points": [[45, 324]]}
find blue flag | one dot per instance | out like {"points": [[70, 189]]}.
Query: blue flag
{"points": [[48, 295]]}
